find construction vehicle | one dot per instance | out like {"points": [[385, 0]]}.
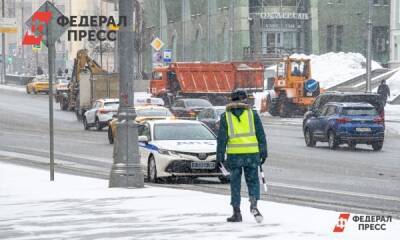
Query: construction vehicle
{"points": [[294, 90], [211, 81], [89, 82]]}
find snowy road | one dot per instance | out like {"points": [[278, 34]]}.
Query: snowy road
{"points": [[360, 181]]}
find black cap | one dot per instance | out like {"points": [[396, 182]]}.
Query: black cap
{"points": [[238, 95]]}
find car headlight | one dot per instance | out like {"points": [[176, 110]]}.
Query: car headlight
{"points": [[168, 152]]}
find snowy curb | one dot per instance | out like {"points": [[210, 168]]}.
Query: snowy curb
{"points": [[16, 88], [76, 207]]}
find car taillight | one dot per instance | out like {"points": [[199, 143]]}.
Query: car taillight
{"points": [[379, 120], [343, 120], [192, 114], [104, 111]]}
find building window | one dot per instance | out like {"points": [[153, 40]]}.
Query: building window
{"points": [[339, 37], [329, 38], [376, 2]]}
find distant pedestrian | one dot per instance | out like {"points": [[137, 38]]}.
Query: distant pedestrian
{"points": [[384, 91], [241, 135]]}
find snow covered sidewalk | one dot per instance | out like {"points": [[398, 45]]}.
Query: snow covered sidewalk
{"points": [[75, 207]]}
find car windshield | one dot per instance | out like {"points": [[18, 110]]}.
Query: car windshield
{"points": [[364, 111], [111, 105], [160, 112], [220, 111], [198, 103], [62, 80], [182, 131]]}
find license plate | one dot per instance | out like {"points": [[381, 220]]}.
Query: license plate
{"points": [[363, 129], [202, 165]]}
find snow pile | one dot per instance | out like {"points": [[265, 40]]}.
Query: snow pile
{"points": [[16, 88], [330, 69], [82, 208]]}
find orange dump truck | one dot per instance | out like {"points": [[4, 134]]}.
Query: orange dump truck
{"points": [[212, 81]]}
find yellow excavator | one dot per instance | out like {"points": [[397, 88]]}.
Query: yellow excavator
{"points": [[89, 82]]}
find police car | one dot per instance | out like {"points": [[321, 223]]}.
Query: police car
{"points": [[178, 148]]}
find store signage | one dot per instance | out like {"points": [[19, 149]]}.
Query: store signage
{"points": [[282, 15]]}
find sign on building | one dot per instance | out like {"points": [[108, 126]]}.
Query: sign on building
{"points": [[8, 25]]}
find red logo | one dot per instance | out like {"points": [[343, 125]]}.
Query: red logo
{"points": [[343, 218], [39, 20]]}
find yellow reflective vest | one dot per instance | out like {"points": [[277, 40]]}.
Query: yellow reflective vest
{"points": [[241, 134]]}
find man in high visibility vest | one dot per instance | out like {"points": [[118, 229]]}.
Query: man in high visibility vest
{"points": [[241, 136]]}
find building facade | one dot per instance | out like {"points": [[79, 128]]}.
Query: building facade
{"points": [[266, 30], [395, 34], [339, 25]]}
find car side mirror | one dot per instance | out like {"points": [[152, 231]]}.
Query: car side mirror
{"points": [[144, 139]]}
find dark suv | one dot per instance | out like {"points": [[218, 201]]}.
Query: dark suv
{"points": [[351, 123], [189, 107], [349, 97]]}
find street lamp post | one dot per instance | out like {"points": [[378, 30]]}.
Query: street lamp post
{"points": [[3, 47], [369, 47], [126, 170]]}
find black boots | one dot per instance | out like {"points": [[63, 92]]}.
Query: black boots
{"points": [[236, 217], [254, 210]]}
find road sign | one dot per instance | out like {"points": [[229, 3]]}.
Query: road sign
{"points": [[157, 57], [167, 55], [157, 44], [8, 25], [51, 31], [311, 85]]}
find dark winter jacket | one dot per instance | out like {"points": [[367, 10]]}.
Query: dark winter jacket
{"points": [[222, 140], [384, 90]]}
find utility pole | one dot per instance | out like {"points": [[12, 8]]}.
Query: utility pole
{"points": [[232, 29], [183, 30], [126, 170], [22, 36], [3, 46], [369, 47], [208, 32]]}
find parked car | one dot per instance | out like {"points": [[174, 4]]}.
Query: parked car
{"points": [[371, 98], [39, 84], [178, 148], [211, 116], [100, 114], [143, 113], [189, 107], [351, 123], [60, 87]]}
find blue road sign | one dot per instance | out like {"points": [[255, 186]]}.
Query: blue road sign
{"points": [[167, 55]]}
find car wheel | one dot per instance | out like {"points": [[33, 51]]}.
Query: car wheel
{"points": [[332, 141], [110, 135], [85, 124], [98, 125], [224, 179], [27, 90], [152, 170], [377, 146], [34, 91], [352, 145], [309, 138]]}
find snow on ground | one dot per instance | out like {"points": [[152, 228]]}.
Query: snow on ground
{"points": [[83, 208], [13, 88], [392, 117], [330, 69]]}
